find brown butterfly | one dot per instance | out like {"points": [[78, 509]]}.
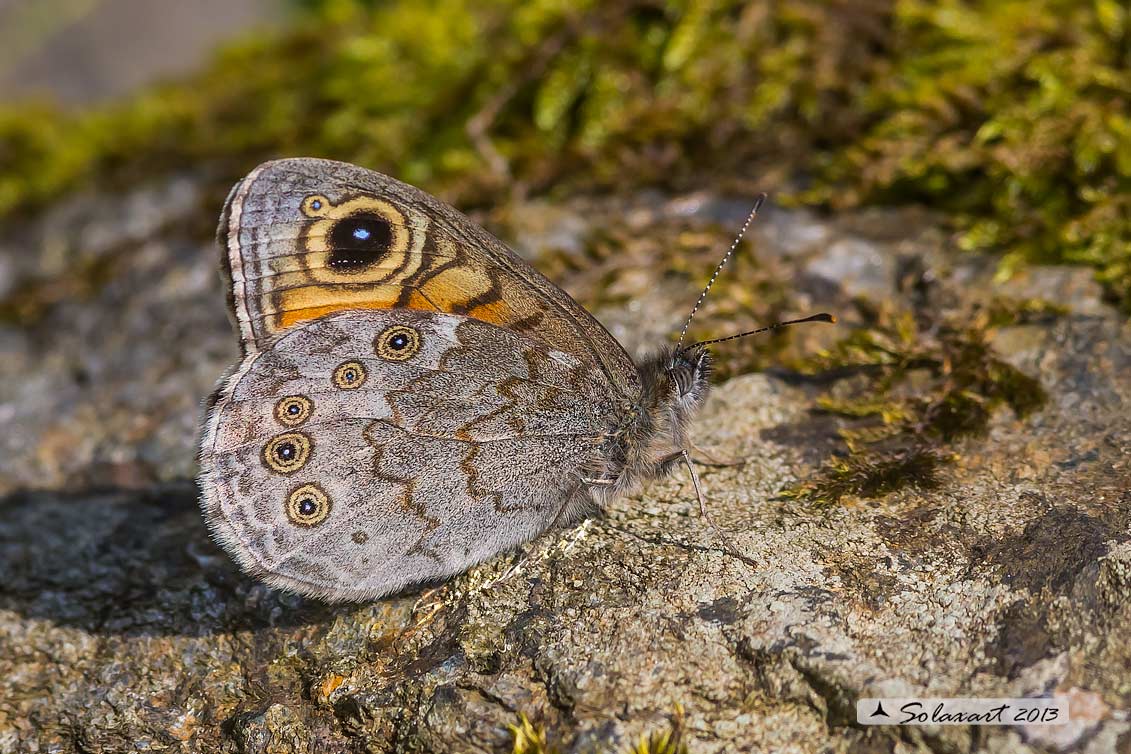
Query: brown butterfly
{"points": [[413, 397]]}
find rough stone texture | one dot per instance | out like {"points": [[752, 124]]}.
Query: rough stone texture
{"points": [[123, 628]]}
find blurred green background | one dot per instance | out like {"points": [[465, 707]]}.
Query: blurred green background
{"points": [[1011, 118]]}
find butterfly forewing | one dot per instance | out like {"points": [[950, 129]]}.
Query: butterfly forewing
{"points": [[305, 238]]}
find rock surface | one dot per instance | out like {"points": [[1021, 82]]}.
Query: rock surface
{"points": [[123, 628]]}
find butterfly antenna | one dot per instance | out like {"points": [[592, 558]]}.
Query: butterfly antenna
{"points": [[726, 257], [822, 317]]}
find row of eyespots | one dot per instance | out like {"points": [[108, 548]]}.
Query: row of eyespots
{"points": [[287, 453], [396, 343], [308, 504]]}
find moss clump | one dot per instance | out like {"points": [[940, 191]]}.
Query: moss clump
{"points": [[872, 475], [531, 739], [1002, 312], [911, 388], [470, 99], [1011, 115]]}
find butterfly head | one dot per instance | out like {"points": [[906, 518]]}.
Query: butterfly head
{"points": [[676, 382]]}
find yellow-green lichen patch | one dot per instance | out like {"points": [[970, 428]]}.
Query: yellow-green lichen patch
{"points": [[909, 389]]}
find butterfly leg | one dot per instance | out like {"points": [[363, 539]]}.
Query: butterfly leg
{"points": [[666, 465], [669, 462]]}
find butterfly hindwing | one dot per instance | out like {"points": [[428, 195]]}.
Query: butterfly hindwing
{"points": [[367, 450], [304, 238]]}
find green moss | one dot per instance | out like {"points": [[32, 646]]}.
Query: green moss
{"points": [[911, 389], [870, 475], [1012, 116], [555, 95], [1002, 312]]}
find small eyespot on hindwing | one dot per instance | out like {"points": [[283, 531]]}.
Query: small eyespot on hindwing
{"points": [[308, 505], [397, 343], [293, 410], [350, 375], [288, 452]]}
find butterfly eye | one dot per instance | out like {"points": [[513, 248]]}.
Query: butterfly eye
{"points": [[308, 505], [350, 375], [288, 452], [293, 410], [397, 343]]}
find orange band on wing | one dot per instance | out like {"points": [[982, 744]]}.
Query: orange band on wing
{"points": [[473, 297]]}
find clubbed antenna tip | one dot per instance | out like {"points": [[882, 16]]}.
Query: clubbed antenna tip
{"points": [[822, 317]]}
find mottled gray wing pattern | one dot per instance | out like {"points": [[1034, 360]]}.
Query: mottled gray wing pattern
{"points": [[370, 450]]}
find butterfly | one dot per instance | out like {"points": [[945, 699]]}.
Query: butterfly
{"points": [[413, 398]]}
